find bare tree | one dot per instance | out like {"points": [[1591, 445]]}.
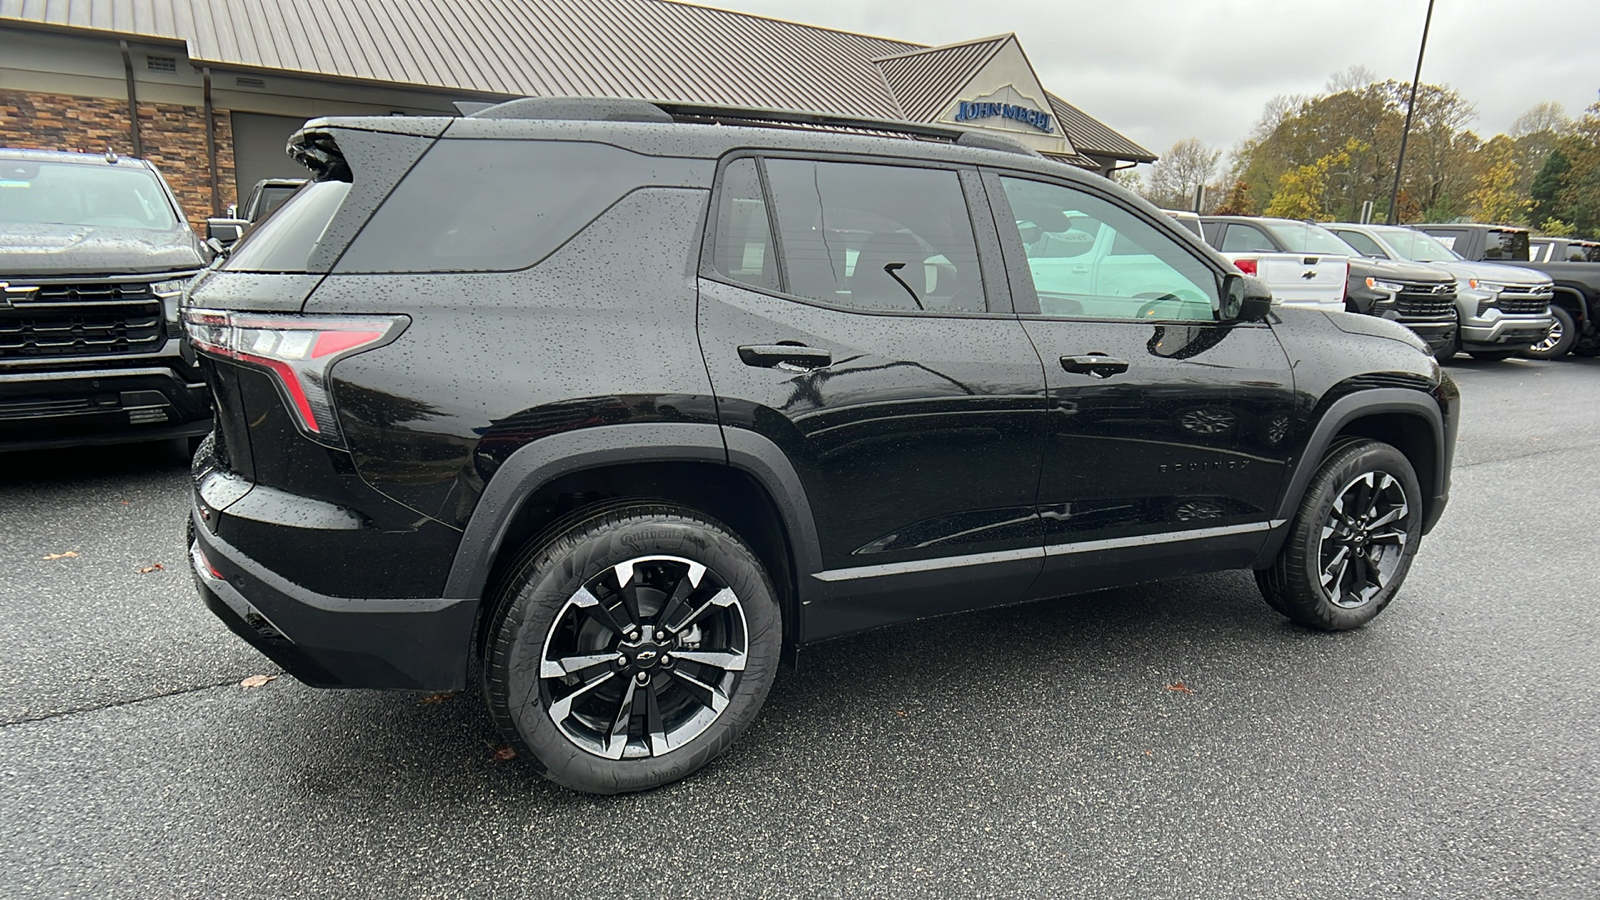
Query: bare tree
{"points": [[1352, 79], [1186, 166], [1547, 116]]}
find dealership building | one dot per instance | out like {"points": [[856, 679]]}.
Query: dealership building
{"points": [[210, 91]]}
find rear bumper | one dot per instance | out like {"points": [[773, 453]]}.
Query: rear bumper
{"points": [[333, 641], [42, 409]]}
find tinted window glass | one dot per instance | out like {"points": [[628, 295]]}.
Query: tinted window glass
{"points": [[876, 237], [283, 243], [1506, 245], [743, 249], [1419, 247], [1303, 237], [1212, 232], [1091, 258], [1364, 245], [495, 206], [1246, 239]]}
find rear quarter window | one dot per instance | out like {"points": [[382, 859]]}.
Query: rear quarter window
{"points": [[502, 205]]}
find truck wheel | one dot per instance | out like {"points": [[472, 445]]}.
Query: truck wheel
{"points": [[1563, 334], [631, 649], [1492, 355], [1351, 541]]}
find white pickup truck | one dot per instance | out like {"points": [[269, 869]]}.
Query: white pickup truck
{"points": [[1315, 278]]}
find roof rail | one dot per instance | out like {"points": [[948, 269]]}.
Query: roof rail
{"points": [[610, 109]]}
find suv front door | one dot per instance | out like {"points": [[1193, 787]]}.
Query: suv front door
{"points": [[848, 323], [1167, 428]]}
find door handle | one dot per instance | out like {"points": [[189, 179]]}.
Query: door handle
{"points": [[795, 356], [1096, 364]]}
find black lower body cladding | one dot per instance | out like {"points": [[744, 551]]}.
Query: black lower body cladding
{"points": [[41, 409]]}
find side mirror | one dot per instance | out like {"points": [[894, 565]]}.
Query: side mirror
{"points": [[1245, 298], [225, 231]]}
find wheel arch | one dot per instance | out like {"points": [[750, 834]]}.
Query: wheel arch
{"points": [[754, 491], [1572, 300], [1409, 420]]}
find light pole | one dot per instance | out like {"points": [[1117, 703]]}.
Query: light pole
{"points": [[1405, 132]]}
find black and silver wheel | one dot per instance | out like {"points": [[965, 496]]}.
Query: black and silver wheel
{"points": [[1558, 343], [1352, 540], [632, 649]]}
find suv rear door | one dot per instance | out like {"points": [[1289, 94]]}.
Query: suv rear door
{"points": [[1167, 429], [852, 317]]}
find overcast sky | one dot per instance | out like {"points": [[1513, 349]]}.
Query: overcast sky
{"points": [[1163, 70]]}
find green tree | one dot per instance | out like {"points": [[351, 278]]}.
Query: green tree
{"points": [[1496, 198], [1547, 185]]}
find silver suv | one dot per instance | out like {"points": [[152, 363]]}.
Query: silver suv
{"points": [[1501, 309]]}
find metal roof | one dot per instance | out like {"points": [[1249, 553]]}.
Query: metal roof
{"points": [[650, 49], [924, 80]]}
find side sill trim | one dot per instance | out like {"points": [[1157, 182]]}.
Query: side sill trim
{"points": [[1003, 556]]}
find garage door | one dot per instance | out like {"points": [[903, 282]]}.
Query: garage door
{"points": [[258, 143]]}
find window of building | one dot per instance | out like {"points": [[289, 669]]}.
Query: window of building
{"points": [[1090, 258], [875, 237]]}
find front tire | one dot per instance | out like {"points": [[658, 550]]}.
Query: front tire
{"points": [[1351, 542], [1563, 334], [632, 648]]}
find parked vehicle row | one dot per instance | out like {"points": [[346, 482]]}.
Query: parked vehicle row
{"points": [[1575, 301]]}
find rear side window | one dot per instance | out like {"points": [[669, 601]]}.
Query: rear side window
{"points": [[1506, 245], [284, 242], [875, 237], [743, 249], [497, 206], [1246, 239]]}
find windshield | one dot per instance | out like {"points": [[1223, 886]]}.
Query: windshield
{"points": [[1418, 247], [46, 193], [1303, 237]]}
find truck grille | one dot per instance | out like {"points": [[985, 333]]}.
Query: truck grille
{"points": [[1517, 299], [81, 319], [1419, 300]]}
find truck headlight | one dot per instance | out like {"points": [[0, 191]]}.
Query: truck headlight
{"points": [[1389, 286]]}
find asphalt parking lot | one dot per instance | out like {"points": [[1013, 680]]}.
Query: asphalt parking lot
{"points": [[1173, 740]]}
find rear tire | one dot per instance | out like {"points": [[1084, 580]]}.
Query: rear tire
{"points": [[1352, 539], [631, 648], [1563, 334]]}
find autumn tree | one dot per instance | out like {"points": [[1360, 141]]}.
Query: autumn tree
{"points": [[1495, 198]]}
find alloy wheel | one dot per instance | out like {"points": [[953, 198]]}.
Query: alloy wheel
{"points": [[643, 658], [1551, 340], [1364, 539]]}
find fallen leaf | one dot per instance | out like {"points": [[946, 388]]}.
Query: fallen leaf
{"points": [[67, 555], [505, 753], [124, 503], [1179, 687], [255, 681], [439, 697], [154, 567]]}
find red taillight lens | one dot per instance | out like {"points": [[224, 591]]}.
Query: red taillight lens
{"points": [[297, 350], [1247, 266]]}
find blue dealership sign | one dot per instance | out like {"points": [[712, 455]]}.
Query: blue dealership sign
{"points": [[971, 110]]}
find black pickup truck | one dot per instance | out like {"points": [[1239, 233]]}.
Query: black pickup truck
{"points": [[1576, 304], [94, 254]]}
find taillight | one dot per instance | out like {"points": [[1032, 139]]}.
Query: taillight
{"points": [[298, 351], [1247, 266]]}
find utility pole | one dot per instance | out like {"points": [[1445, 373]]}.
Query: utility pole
{"points": [[1405, 132]]}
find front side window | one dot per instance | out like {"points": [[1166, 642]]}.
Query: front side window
{"points": [[1364, 245], [875, 237], [1093, 259], [108, 196]]}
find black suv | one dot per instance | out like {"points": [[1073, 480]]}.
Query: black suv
{"points": [[94, 253], [616, 404]]}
